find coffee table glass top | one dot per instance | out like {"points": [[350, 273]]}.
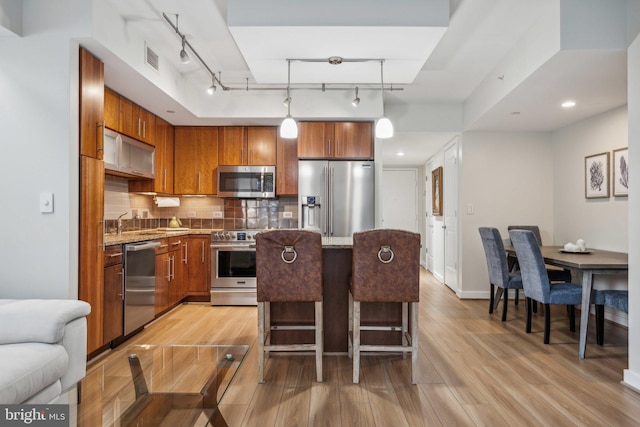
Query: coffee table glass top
{"points": [[158, 385]]}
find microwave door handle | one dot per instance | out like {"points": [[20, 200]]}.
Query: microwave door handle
{"points": [[262, 182]]}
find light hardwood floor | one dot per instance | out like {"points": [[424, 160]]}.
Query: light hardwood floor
{"points": [[473, 370]]}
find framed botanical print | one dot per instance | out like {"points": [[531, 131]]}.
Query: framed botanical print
{"points": [[436, 191], [596, 176], [621, 172]]}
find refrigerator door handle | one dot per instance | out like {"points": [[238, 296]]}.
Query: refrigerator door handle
{"points": [[331, 203], [326, 198]]}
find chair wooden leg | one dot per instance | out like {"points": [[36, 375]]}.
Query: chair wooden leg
{"points": [[414, 342], [261, 342], [405, 327], [547, 323], [572, 318], [491, 298], [505, 304], [356, 342], [528, 327], [350, 326], [600, 324], [319, 340]]}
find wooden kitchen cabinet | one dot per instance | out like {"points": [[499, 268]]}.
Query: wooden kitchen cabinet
{"points": [[199, 265], [135, 121], [176, 278], [111, 109], [287, 167], [91, 105], [253, 145], [196, 160], [335, 140], [91, 250], [163, 162], [163, 274], [113, 307]]}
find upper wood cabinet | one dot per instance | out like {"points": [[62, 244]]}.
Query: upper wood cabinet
{"points": [[91, 105], [335, 140], [111, 109], [253, 145], [287, 167], [196, 160], [163, 162], [136, 122]]}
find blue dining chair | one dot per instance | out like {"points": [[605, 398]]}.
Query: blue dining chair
{"points": [[536, 283], [497, 265], [555, 274], [617, 299]]}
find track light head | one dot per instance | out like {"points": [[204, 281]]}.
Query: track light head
{"points": [[212, 89], [356, 100], [184, 56], [287, 101]]}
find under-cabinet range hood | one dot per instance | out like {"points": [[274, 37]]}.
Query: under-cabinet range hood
{"points": [[127, 157]]}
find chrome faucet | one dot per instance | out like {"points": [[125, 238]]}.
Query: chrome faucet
{"points": [[120, 225]]}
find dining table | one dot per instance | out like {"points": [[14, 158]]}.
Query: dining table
{"points": [[586, 265]]}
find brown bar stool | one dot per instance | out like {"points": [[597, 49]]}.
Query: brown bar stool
{"points": [[288, 269], [386, 268]]}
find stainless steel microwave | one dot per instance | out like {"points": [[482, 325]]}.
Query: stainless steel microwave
{"points": [[247, 181]]}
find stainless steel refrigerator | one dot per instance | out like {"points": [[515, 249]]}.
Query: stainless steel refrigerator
{"points": [[336, 197]]}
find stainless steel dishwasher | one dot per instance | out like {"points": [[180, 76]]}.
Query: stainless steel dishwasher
{"points": [[139, 284]]}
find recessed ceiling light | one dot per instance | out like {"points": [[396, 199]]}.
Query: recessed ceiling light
{"points": [[568, 104], [399, 154], [170, 111], [515, 113]]}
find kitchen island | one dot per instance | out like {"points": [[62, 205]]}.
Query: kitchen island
{"points": [[336, 259]]}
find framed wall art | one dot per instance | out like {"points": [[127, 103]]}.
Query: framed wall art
{"points": [[596, 176], [436, 191], [621, 172]]}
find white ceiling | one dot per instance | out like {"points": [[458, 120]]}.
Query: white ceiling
{"points": [[479, 35]]}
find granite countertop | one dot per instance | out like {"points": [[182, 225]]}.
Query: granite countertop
{"points": [[151, 234]]}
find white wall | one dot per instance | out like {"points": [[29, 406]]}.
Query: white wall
{"points": [[508, 178], [632, 375], [602, 223], [39, 122]]}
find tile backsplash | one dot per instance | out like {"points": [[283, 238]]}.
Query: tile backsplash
{"points": [[195, 211]]}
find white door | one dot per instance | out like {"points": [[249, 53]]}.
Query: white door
{"points": [[400, 199], [450, 202]]}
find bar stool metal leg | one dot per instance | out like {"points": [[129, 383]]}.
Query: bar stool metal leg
{"points": [[356, 342], [319, 341], [261, 338]]}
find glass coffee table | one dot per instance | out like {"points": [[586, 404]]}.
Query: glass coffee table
{"points": [[160, 385]]}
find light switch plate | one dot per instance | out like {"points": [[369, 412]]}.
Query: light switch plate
{"points": [[46, 202]]}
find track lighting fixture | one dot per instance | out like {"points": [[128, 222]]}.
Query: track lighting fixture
{"points": [[356, 100], [287, 101], [184, 56], [384, 127], [213, 87], [289, 127]]}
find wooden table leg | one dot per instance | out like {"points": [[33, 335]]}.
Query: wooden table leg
{"points": [[587, 281]]}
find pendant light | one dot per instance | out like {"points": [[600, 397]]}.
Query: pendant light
{"points": [[384, 127], [288, 128], [356, 100], [184, 56]]}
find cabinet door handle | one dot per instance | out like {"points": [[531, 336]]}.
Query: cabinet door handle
{"points": [[100, 140], [164, 179], [138, 126], [173, 267], [115, 255], [163, 246], [144, 129], [198, 182], [338, 148], [169, 269], [329, 147], [186, 252], [121, 294], [203, 251], [179, 242], [250, 156]]}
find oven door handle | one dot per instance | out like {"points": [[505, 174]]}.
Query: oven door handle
{"points": [[233, 246]]}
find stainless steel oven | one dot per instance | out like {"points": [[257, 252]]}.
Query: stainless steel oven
{"points": [[233, 268]]}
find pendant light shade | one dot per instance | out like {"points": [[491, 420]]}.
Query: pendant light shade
{"points": [[184, 56], [384, 128], [289, 128]]}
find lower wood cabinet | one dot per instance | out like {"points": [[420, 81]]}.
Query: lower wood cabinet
{"points": [[163, 274], [113, 305], [199, 265]]}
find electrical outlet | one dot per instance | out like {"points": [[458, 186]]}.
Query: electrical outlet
{"points": [[287, 214], [191, 214], [218, 214]]}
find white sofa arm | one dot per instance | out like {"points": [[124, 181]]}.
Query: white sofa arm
{"points": [[39, 320]]}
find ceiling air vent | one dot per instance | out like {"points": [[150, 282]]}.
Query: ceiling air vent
{"points": [[151, 58]]}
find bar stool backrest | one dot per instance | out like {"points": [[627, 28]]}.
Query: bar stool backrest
{"points": [[289, 266], [386, 266]]}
